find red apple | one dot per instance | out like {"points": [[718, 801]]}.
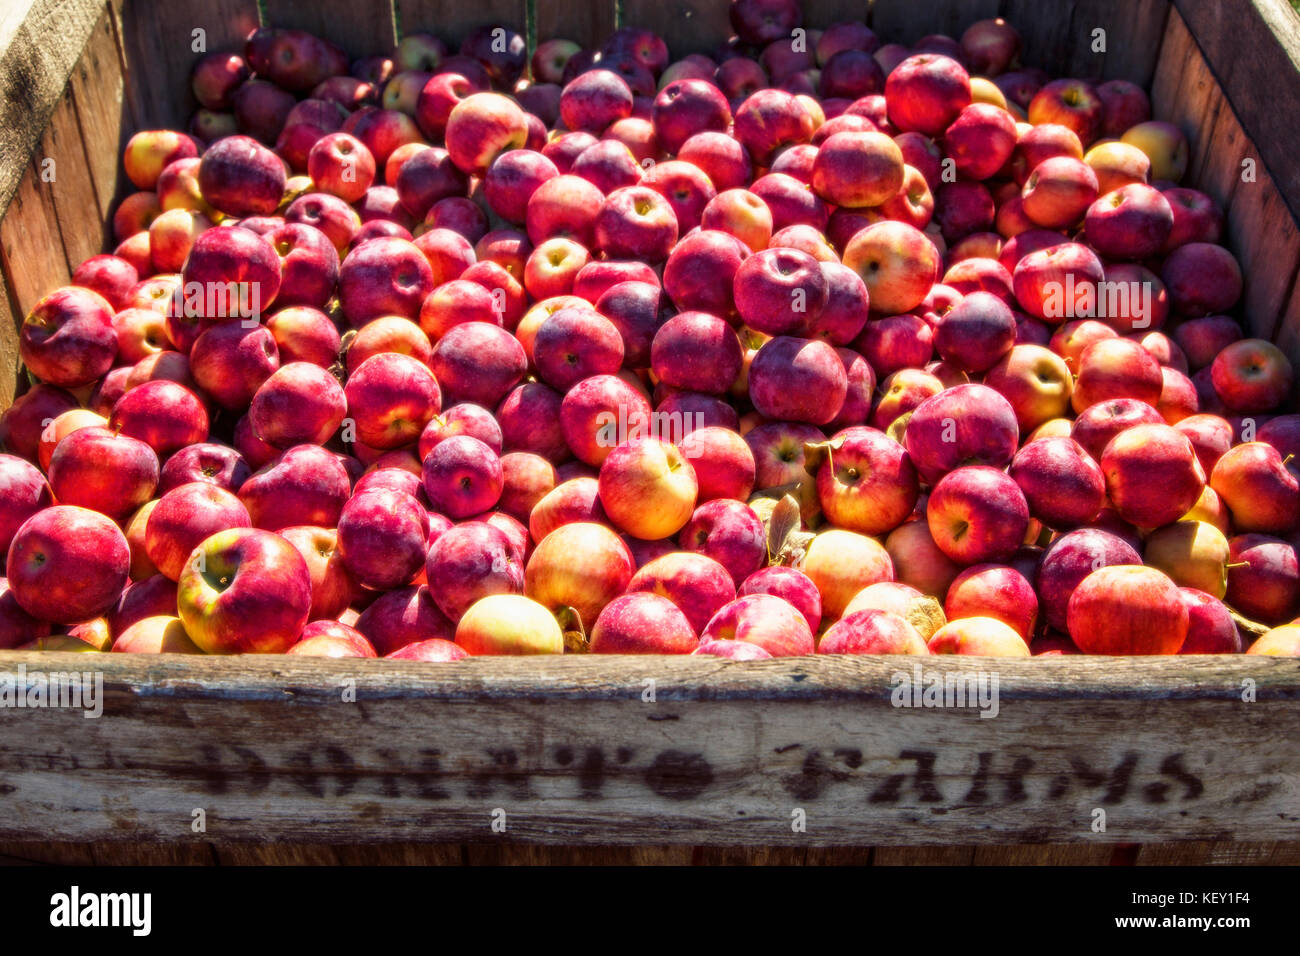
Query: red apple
{"points": [[1127, 610], [245, 591], [67, 564], [763, 620], [184, 518], [977, 514], [642, 623]]}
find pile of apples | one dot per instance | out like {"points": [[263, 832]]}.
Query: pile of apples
{"points": [[808, 346]]}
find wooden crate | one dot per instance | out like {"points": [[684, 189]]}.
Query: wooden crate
{"points": [[632, 759]]}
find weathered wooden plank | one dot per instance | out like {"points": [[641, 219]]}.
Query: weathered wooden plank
{"points": [[11, 318], [514, 855], [40, 40], [586, 24], [31, 248], [1225, 164], [903, 21], [1253, 47], [70, 187], [160, 46], [1287, 336], [1219, 854], [98, 87], [453, 20], [1266, 240], [923, 856], [1061, 38], [566, 751], [361, 28], [822, 13], [1097, 854], [687, 26]]}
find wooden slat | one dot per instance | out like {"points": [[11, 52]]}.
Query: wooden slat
{"points": [[98, 88], [509, 854], [822, 13], [1266, 241], [726, 755], [362, 27], [1287, 336], [502, 854], [73, 191], [1097, 854], [453, 20], [923, 856], [1253, 47], [1059, 37], [40, 40], [586, 24], [904, 21], [1184, 92], [1219, 854], [11, 318], [1260, 228], [158, 51], [688, 26], [31, 248]]}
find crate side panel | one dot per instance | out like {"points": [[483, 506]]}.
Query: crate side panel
{"points": [[453, 20], [906, 21], [98, 85], [724, 755], [11, 318], [1288, 334], [71, 187], [1225, 164], [1266, 241], [36, 59], [688, 26], [159, 43], [586, 24], [1253, 47], [30, 243], [1219, 853], [361, 28], [819, 14], [923, 856]]}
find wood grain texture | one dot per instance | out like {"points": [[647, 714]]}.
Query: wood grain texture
{"points": [[409, 854], [98, 88], [1253, 48], [588, 24], [158, 43], [31, 247], [822, 13], [362, 27], [566, 752], [1060, 38], [40, 40], [1219, 854], [1260, 228], [72, 190], [688, 26], [903, 21], [1288, 335], [453, 20], [11, 317]]}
